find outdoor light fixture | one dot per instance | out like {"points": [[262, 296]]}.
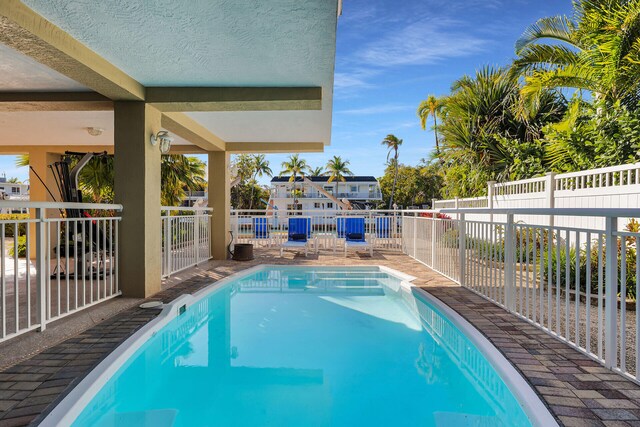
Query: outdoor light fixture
{"points": [[163, 140], [93, 131]]}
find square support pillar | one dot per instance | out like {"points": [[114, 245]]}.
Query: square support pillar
{"points": [[219, 190], [40, 160], [137, 188]]}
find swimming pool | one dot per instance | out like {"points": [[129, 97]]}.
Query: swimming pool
{"points": [[299, 346]]}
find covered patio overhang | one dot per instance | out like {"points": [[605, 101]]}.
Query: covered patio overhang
{"points": [[221, 77]]}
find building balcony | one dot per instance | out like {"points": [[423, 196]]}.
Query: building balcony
{"points": [[365, 195]]}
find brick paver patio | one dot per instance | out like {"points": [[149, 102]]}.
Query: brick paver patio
{"points": [[576, 389]]}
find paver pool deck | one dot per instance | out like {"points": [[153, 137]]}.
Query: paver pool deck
{"points": [[577, 390]]}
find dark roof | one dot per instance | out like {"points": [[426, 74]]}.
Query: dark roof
{"points": [[325, 179]]}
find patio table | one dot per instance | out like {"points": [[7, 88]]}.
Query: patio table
{"points": [[325, 239]]}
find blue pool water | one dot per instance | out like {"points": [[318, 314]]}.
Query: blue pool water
{"points": [[307, 347]]}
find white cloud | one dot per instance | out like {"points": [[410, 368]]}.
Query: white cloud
{"points": [[421, 43], [344, 80]]}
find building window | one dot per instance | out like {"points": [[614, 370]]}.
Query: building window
{"points": [[330, 205], [316, 205], [354, 188], [15, 190]]}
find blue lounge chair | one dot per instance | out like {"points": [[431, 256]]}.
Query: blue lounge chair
{"points": [[355, 236], [299, 235], [261, 230]]}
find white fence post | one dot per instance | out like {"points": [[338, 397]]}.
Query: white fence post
{"points": [[509, 267], [550, 198], [415, 235], [167, 243], [457, 206], [611, 293], [491, 191], [433, 239], [196, 236], [462, 243], [41, 268]]}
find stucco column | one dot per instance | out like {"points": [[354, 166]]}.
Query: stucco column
{"points": [[137, 188], [40, 160], [220, 200]]}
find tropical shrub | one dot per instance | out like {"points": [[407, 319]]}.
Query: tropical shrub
{"points": [[22, 247], [9, 228]]}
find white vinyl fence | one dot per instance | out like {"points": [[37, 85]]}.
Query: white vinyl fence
{"points": [[186, 237], [578, 284], [61, 260], [616, 187]]}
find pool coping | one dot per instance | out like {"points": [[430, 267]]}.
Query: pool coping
{"points": [[72, 405]]}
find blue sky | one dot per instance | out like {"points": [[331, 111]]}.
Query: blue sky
{"points": [[391, 54]]}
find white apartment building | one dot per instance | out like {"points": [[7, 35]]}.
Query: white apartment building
{"points": [[360, 191]]}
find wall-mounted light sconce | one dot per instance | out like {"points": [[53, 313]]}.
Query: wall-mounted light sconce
{"points": [[163, 140]]}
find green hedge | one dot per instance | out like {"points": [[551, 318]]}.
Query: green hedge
{"points": [[9, 228]]}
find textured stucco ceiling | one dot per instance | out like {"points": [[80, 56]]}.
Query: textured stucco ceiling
{"points": [[18, 72], [216, 43], [205, 42]]}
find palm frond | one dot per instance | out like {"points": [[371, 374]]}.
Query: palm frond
{"points": [[558, 28]]}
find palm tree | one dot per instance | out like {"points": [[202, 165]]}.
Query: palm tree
{"points": [[319, 171], [431, 107], [337, 169], [486, 118], [22, 160], [393, 143], [179, 172], [598, 50], [295, 167], [260, 168]]}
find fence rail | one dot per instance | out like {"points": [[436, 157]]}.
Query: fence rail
{"points": [[60, 260], [186, 238], [577, 284], [384, 233]]}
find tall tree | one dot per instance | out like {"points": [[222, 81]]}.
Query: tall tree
{"points": [[260, 168], [318, 171], [487, 126], [338, 169], [432, 106], [597, 50], [294, 166], [393, 144], [179, 172]]}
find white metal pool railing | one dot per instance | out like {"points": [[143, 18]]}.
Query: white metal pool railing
{"points": [[52, 266], [186, 238], [383, 227], [571, 282]]}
